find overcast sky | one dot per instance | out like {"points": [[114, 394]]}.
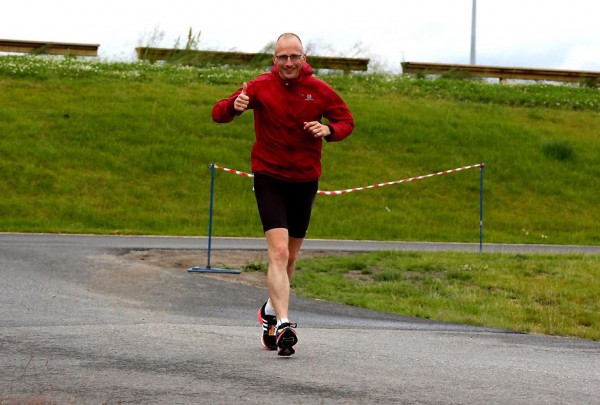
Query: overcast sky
{"points": [[553, 34]]}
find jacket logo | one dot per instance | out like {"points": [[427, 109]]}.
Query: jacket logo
{"points": [[309, 97]]}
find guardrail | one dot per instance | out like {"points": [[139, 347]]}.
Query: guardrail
{"points": [[502, 73], [242, 58], [52, 48]]}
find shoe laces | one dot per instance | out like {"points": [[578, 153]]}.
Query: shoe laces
{"points": [[284, 325]]}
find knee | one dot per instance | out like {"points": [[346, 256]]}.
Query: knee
{"points": [[281, 253], [291, 260]]}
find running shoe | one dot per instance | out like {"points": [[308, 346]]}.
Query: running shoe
{"points": [[286, 339], [268, 322]]}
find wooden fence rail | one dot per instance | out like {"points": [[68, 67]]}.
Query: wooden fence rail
{"points": [[52, 48], [241, 58], [501, 73]]}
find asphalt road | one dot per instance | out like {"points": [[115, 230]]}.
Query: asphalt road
{"points": [[79, 325]]}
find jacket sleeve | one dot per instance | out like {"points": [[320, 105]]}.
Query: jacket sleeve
{"points": [[223, 111], [339, 117]]}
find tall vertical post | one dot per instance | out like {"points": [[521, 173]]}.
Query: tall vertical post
{"points": [[473, 31], [481, 207], [210, 211], [208, 268]]}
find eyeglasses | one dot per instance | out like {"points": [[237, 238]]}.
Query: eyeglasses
{"points": [[293, 58]]}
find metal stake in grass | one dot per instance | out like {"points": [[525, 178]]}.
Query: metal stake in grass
{"points": [[208, 268]]}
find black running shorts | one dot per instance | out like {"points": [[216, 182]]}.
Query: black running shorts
{"points": [[282, 204]]}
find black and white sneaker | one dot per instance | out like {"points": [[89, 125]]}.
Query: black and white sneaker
{"points": [[286, 339], [268, 322]]}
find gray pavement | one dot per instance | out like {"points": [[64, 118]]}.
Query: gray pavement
{"points": [[79, 325]]}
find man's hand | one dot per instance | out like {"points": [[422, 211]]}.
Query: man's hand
{"points": [[242, 100], [316, 129]]}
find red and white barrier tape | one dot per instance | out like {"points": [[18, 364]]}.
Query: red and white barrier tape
{"points": [[350, 190]]}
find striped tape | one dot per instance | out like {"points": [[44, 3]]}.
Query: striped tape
{"points": [[351, 190]]}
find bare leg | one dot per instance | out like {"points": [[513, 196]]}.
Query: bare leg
{"points": [[294, 248], [283, 252]]}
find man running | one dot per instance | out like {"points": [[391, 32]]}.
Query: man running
{"points": [[290, 106]]}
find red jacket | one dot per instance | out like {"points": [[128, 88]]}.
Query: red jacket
{"points": [[282, 148]]}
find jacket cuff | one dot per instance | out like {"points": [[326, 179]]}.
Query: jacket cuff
{"points": [[328, 137]]}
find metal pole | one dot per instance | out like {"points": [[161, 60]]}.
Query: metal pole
{"points": [[210, 211], [473, 31], [481, 207], [207, 268]]}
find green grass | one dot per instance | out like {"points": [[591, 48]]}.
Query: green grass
{"points": [[125, 148], [117, 148], [546, 294]]}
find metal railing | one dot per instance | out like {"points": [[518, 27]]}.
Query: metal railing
{"points": [[52, 48], [502, 73], [242, 58]]}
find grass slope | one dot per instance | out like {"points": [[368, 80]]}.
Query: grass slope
{"points": [[125, 148]]}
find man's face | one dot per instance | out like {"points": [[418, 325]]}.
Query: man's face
{"points": [[289, 57]]}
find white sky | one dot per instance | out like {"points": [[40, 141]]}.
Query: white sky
{"points": [[553, 34]]}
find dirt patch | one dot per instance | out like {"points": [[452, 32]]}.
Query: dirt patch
{"points": [[243, 260]]}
